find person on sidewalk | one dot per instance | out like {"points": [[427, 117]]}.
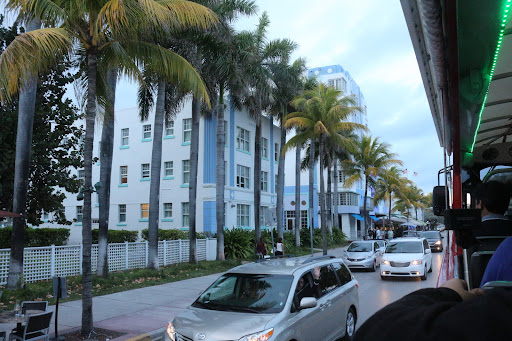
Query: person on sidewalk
{"points": [[261, 248], [280, 247], [449, 312]]}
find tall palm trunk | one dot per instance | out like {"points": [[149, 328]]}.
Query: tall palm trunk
{"points": [[297, 197], [336, 195], [27, 102], [192, 190], [257, 173], [322, 196], [329, 194], [280, 181], [389, 215], [107, 150], [220, 176], [365, 229], [154, 186], [311, 193], [90, 117]]}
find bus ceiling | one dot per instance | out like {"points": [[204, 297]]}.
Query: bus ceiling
{"points": [[464, 53]]}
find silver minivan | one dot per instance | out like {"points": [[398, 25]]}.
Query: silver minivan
{"points": [[301, 298]]}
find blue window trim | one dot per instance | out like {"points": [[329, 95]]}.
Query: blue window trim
{"points": [[124, 147], [243, 151], [122, 185], [78, 224], [122, 224], [184, 228], [186, 143], [97, 205], [168, 178], [146, 140], [145, 179], [276, 162], [168, 137], [226, 146], [264, 158], [144, 220], [167, 219], [185, 186]]}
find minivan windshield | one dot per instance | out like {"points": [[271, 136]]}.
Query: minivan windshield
{"points": [[246, 293], [360, 247], [405, 247], [430, 235]]}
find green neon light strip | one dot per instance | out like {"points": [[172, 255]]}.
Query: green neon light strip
{"points": [[491, 73]]}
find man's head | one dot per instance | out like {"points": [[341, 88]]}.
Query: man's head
{"points": [[492, 197]]}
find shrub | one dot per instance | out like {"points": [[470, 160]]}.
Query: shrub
{"points": [[338, 236], [36, 237], [172, 234], [238, 243], [116, 236]]}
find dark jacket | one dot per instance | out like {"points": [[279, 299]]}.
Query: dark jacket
{"points": [[440, 314]]}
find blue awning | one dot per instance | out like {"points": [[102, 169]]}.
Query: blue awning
{"points": [[374, 218], [358, 217]]}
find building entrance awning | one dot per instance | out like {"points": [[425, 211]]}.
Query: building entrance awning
{"points": [[358, 217], [374, 218]]}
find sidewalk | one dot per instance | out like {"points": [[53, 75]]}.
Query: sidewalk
{"points": [[139, 311]]}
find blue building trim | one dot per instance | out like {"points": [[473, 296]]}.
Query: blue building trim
{"points": [[231, 144], [272, 175], [210, 150], [124, 147], [209, 217]]}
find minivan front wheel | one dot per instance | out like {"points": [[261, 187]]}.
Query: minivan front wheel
{"points": [[350, 325], [424, 277]]}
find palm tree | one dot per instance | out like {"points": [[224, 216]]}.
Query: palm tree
{"points": [[366, 164], [98, 29], [321, 115], [261, 54], [26, 109], [389, 182]]}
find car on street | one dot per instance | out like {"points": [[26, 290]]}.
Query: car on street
{"points": [[414, 234], [363, 255], [434, 239], [382, 245], [406, 257], [300, 298]]}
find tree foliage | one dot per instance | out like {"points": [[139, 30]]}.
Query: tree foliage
{"points": [[55, 146]]}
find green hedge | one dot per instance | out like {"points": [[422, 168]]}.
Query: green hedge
{"points": [[116, 236], [36, 237], [175, 234]]}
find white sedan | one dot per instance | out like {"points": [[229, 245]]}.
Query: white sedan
{"points": [[406, 257]]}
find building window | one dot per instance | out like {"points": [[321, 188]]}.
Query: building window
{"points": [[344, 85], [125, 136], [123, 170], [262, 215], [242, 215], [242, 139], [81, 176], [168, 168], [290, 216], [242, 176], [79, 214], [145, 171], [186, 171], [45, 216], [167, 210], [348, 199], [226, 173], [275, 183], [122, 213], [187, 130], [169, 128], [276, 152], [226, 133], [330, 83], [264, 181], [264, 148], [144, 211], [146, 131], [337, 84], [185, 214]]}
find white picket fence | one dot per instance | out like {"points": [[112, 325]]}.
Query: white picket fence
{"points": [[44, 262]]}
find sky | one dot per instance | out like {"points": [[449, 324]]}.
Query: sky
{"points": [[369, 39]]}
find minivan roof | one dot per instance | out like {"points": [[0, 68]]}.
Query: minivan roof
{"points": [[282, 266]]}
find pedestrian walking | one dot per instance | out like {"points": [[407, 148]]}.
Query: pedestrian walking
{"points": [[378, 233], [261, 248], [390, 234], [280, 247]]}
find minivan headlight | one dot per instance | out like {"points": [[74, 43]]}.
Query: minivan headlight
{"points": [[171, 332], [385, 262], [259, 336], [438, 242], [417, 262]]}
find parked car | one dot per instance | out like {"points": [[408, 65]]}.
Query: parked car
{"points": [[434, 239], [363, 255], [382, 245], [285, 299], [406, 257]]}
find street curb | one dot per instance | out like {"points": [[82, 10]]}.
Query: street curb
{"points": [[155, 335]]}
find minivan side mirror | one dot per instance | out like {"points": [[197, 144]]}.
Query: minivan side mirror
{"points": [[308, 302]]}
